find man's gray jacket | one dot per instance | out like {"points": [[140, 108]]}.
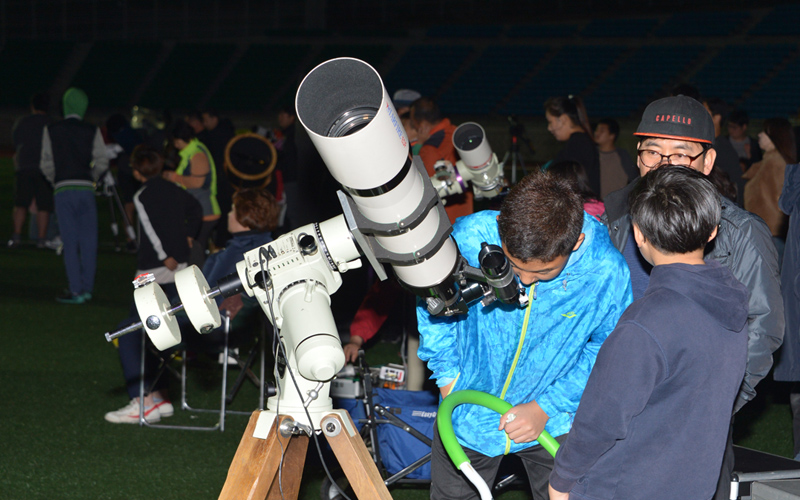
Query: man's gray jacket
{"points": [[744, 245]]}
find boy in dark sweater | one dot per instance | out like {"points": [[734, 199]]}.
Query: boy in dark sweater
{"points": [[169, 219], [654, 417]]}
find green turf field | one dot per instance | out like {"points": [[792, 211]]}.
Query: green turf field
{"points": [[58, 376]]}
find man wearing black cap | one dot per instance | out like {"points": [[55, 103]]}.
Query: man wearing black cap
{"points": [[678, 130]]}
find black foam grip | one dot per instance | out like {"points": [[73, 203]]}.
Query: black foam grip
{"points": [[230, 285]]}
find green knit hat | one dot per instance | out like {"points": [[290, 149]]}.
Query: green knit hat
{"points": [[75, 102]]}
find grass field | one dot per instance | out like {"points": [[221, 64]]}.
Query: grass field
{"points": [[58, 376]]}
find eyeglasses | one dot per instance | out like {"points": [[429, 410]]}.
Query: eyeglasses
{"points": [[652, 159]]}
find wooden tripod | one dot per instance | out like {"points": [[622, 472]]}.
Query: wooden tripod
{"points": [[254, 471]]}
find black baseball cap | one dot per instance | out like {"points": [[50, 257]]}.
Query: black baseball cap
{"points": [[678, 117]]}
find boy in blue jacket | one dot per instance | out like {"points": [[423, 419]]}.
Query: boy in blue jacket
{"points": [[654, 417], [538, 358]]}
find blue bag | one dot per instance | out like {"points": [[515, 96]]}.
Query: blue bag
{"points": [[398, 448]]}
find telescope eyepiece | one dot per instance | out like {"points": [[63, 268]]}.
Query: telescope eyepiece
{"points": [[499, 274]]}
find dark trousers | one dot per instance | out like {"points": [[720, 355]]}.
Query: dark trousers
{"points": [[130, 352], [197, 256], [77, 218], [447, 482]]}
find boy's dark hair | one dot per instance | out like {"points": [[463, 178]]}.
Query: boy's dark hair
{"points": [[40, 102], [426, 109], [739, 117], [147, 161], [574, 172], [541, 218], [256, 209], [676, 209], [183, 131], [613, 127]]}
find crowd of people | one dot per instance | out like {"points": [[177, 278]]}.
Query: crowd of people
{"points": [[654, 279], [670, 257]]}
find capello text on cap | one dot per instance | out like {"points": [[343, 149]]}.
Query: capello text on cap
{"points": [[678, 117]]}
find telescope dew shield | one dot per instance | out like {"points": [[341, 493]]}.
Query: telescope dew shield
{"points": [[351, 120]]}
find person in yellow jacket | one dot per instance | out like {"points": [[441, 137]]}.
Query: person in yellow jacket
{"points": [[196, 173]]}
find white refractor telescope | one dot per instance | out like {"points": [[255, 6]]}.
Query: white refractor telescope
{"points": [[478, 166], [392, 215]]}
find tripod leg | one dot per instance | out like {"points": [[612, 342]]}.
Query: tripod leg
{"points": [[254, 468], [354, 457], [294, 460]]}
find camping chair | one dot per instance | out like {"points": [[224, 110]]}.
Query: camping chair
{"points": [[242, 327]]}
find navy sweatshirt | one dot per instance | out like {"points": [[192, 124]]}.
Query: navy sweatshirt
{"points": [[654, 417]]}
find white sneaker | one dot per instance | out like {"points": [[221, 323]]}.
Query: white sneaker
{"points": [[233, 355], [165, 408], [129, 414]]}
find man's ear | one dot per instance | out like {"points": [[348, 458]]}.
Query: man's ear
{"points": [[578, 243], [708, 161], [713, 235], [638, 236]]}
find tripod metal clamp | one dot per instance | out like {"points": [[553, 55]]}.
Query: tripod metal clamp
{"points": [[331, 426], [337, 421]]}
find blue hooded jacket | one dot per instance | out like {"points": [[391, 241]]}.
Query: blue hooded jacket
{"points": [[549, 361]]}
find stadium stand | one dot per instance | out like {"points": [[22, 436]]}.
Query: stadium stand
{"points": [[692, 24], [17, 84], [570, 71], [634, 83], [425, 68], [113, 71], [186, 75], [258, 75], [490, 78], [374, 55], [468, 31], [747, 57], [779, 97], [619, 28], [738, 67], [543, 31], [782, 20]]}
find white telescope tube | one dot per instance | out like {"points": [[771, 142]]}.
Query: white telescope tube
{"points": [[482, 167], [346, 110]]}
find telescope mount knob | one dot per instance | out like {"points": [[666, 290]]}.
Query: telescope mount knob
{"points": [[308, 245]]}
